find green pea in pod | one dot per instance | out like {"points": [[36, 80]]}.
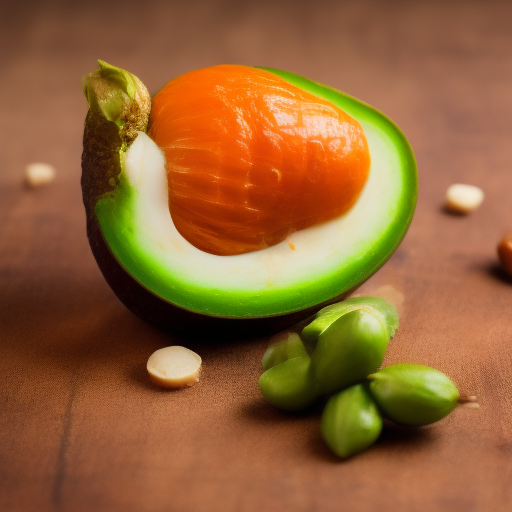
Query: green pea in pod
{"points": [[283, 346], [351, 421], [289, 385], [349, 349], [411, 394], [326, 316]]}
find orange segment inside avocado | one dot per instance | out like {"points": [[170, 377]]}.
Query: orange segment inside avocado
{"points": [[252, 158]]}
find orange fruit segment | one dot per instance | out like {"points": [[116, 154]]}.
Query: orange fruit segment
{"points": [[252, 159]]}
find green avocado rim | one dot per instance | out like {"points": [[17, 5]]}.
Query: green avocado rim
{"points": [[114, 214]]}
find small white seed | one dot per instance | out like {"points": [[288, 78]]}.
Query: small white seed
{"points": [[39, 174], [471, 405], [174, 367], [461, 198]]}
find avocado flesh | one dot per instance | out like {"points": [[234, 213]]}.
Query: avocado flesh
{"points": [[329, 260]]}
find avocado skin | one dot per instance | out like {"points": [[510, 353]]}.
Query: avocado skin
{"points": [[171, 318]]}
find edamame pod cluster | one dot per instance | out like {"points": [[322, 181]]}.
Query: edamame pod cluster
{"points": [[338, 354]]}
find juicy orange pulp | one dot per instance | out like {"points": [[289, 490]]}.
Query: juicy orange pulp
{"points": [[252, 158]]}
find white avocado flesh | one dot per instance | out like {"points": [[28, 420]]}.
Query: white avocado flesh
{"points": [[321, 263]]}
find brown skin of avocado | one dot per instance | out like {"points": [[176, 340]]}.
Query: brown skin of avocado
{"points": [[103, 141]]}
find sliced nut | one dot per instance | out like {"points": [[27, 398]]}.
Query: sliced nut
{"points": [[505, 253], [471, 405], [174, 367], [461, 198], [39, 174]]}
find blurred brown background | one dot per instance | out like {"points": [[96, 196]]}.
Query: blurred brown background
{"points": [[82, 429]]}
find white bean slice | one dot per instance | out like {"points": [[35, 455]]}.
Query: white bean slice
{"points": [[174, 367], [39, 174], [461, 198]]}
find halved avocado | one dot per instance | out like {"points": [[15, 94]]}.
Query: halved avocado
{"points": [[167, 281]]}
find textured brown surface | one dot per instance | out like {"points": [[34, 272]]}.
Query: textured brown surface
{"points": [[82, 428]]}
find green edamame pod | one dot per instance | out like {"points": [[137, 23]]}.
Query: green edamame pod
{"points": [[289, 385], [349, 349], [326, 316], [351, 421], [411, 394], [283, 346]]}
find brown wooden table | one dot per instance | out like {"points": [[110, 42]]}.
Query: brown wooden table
{"points": [[81, 427]]}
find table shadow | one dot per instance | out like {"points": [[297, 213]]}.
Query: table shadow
{"points": [[394, 438]]}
